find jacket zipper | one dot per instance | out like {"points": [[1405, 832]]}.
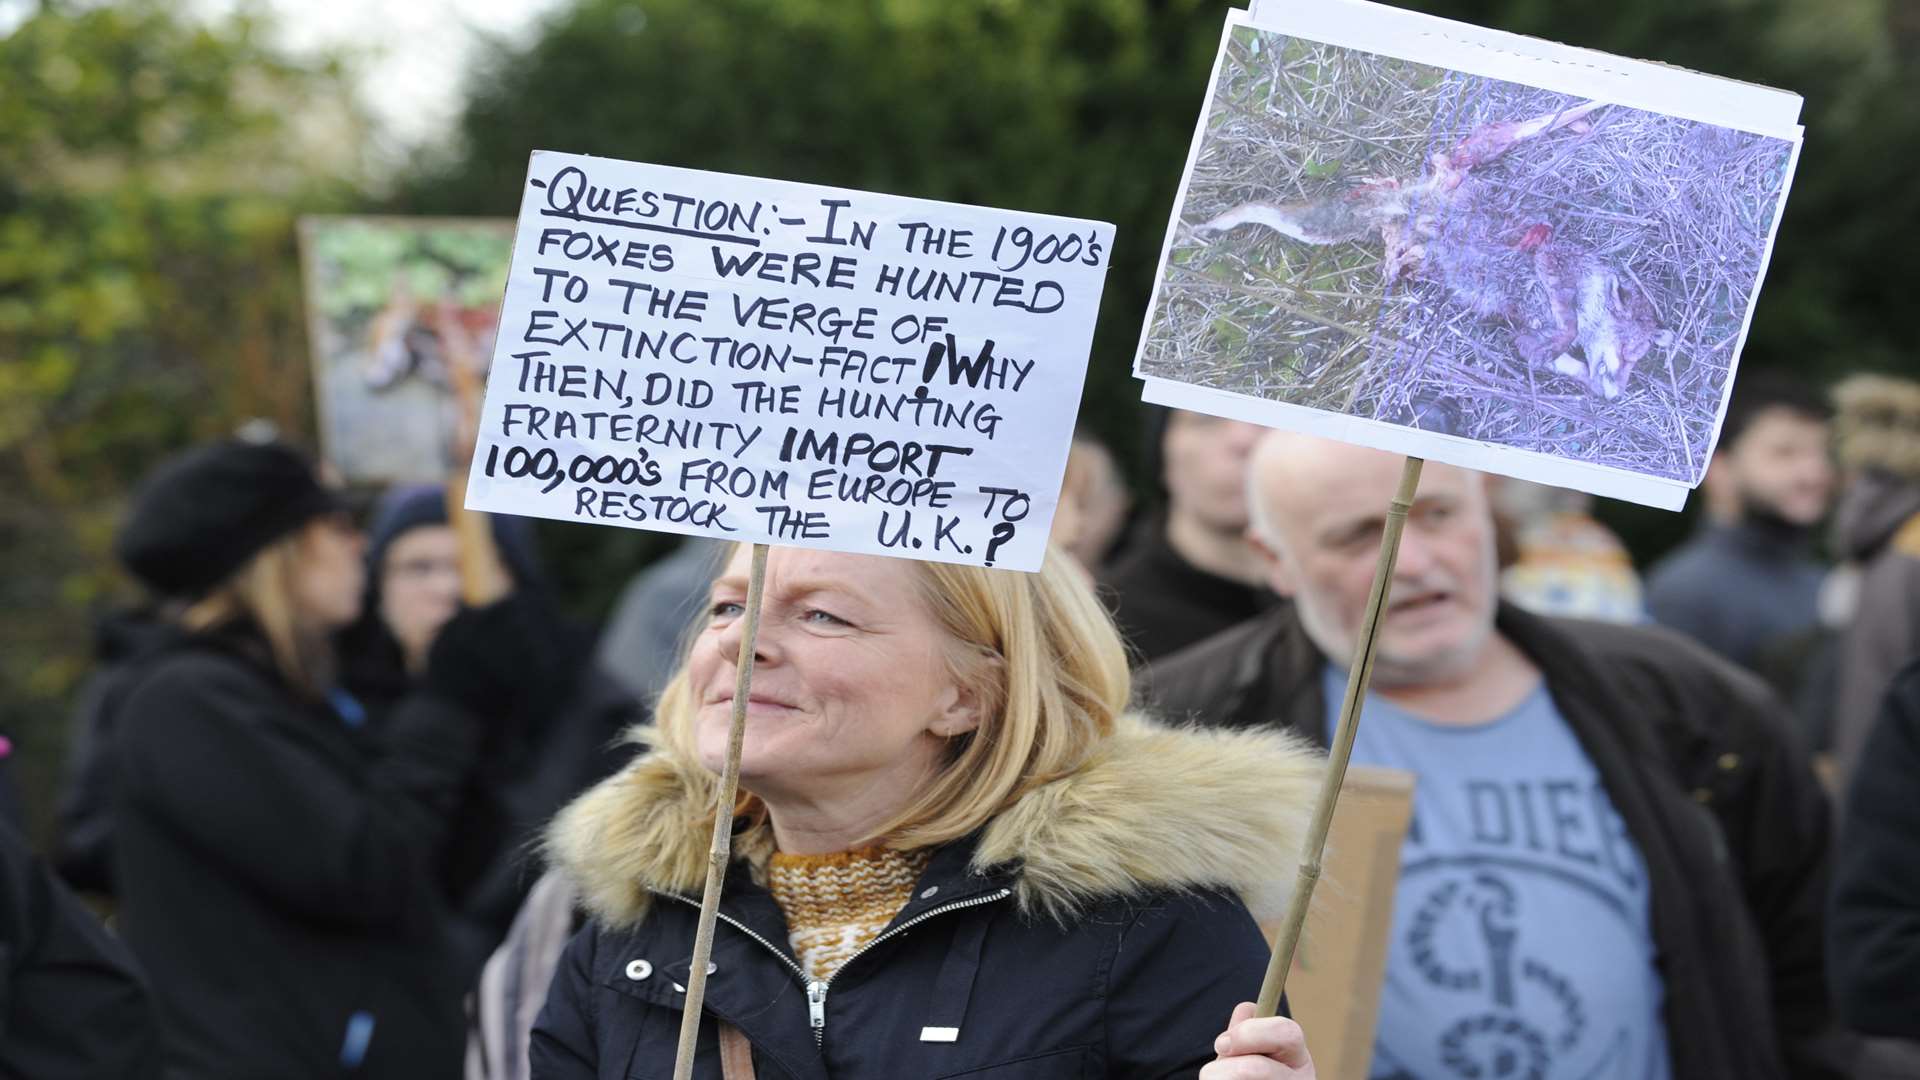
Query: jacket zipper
{"points": [[817, 988]]}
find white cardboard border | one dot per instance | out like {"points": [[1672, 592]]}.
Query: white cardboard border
{"points": [[1433, 446], [1499, 54]]}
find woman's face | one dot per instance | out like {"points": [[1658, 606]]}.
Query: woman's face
{"points": [[331, 575], [852, 697], [420, 586]]}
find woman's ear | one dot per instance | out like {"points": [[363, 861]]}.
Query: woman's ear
{"points": [[964, 706]]}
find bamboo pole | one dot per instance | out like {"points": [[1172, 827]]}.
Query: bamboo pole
{"points": [[718, 853], [1359, 673]]}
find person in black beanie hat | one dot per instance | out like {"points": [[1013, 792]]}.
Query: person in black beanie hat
{"points": [[202, 515], [557, 717], [277, 865]]}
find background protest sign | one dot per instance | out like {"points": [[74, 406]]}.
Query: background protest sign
{"points": [[1469, 246], [776, 362], [393, 303]]}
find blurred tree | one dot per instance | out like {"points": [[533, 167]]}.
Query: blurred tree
{"points": [[150, 170], [1086, 107]]}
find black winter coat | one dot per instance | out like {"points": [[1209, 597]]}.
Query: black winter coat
{"points": [[72, 1004], [1876, 899], [83, 845], [1091, 930], [528, 771], [276, 872], [1695, 756]]}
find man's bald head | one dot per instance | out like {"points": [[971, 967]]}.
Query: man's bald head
{"points": [[1318, 508]]}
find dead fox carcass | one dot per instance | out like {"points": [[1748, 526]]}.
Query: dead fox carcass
{"points": [[1569, 309]]}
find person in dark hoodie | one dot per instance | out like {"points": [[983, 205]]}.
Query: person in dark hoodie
{"points": [[1876, 529], [557, 736], [276, 865], [1749, 587]]}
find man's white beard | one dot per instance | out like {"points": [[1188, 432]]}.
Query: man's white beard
{"points": [[1389, 671]]}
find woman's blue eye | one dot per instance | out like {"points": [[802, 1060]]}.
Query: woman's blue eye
{"points": [[816, 615], [723, 609]]}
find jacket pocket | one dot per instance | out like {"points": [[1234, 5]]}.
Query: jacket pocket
{"points": [[1068, 1064]]}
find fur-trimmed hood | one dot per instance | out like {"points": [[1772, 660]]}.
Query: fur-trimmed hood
{"points": [[1876, 425], [1155, 808]]}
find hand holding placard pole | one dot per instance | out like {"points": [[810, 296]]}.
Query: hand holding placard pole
{"points": [[1358, 675], [483, 573], [718, 853]]}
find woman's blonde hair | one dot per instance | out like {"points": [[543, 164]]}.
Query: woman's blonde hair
{"points": [[261, 593], [1047, 667]]}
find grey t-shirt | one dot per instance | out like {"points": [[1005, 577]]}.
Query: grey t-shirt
{"points": [[1521, 943]]}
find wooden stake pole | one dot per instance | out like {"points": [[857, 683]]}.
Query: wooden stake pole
{"points": [[718, 853], [1358, 675], [483, 572]]}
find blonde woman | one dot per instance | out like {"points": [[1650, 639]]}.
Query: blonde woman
{"points": [[276, 863], [956, 853]]}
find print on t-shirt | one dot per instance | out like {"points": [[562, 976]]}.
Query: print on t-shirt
{"points": [[1521, 944]]}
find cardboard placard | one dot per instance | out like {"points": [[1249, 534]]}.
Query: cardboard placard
{"points": [[759, 360], [1334, 988]]}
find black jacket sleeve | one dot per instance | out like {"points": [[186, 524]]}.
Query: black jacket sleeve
{"points": [[1875, 927], [1779, 827], [1181, 966], [241, 772], [72, 1003]]}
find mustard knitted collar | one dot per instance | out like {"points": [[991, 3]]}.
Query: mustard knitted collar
{"points": [[836, 903]]}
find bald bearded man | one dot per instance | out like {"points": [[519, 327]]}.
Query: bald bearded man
{"points": [[1566, 907]]}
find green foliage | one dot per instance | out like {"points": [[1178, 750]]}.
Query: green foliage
{"points": [[362, 258], [148, 295]]}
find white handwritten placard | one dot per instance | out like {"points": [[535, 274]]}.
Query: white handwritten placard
{"points": [[768, 361]]}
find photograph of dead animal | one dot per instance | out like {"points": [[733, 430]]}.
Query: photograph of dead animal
{"points": [[1460, 254]]}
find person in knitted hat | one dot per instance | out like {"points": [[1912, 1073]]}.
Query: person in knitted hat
{"points": [[202, 516], [275, 865]]}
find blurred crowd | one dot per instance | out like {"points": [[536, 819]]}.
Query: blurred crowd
{"points": [[301, 831]]}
